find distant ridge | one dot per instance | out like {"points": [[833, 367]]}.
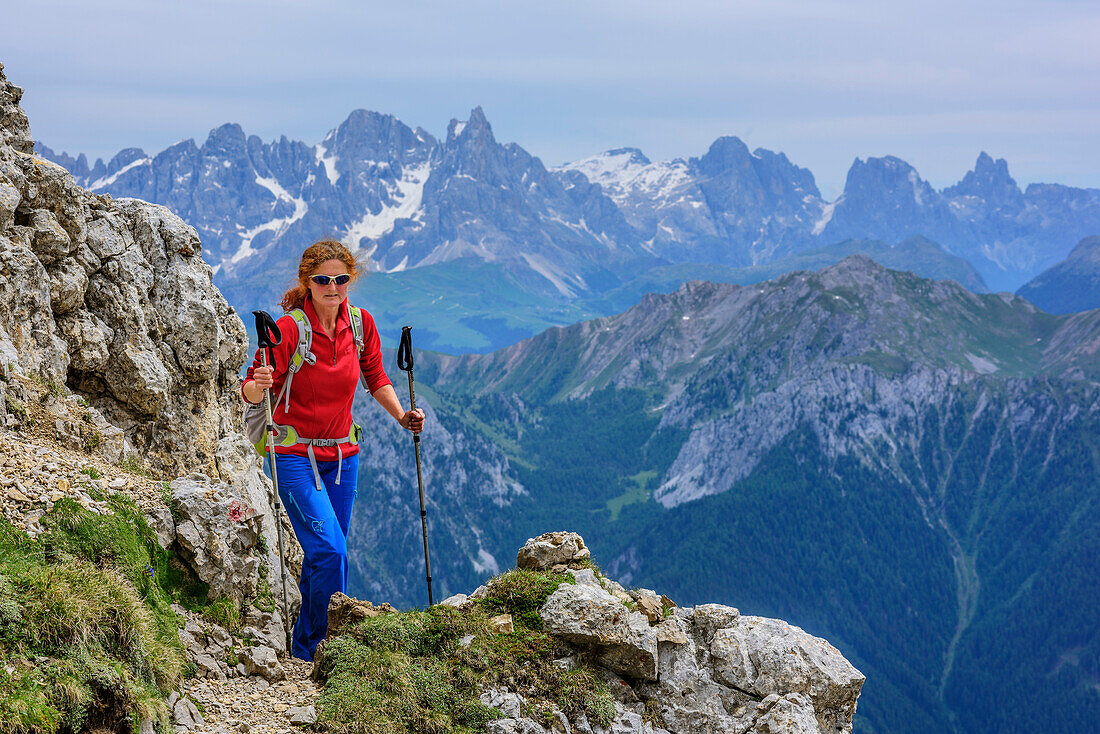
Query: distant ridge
{"points": [[1070, 286]]}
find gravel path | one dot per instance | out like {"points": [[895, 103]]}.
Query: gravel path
{"points": [[251, 704]]}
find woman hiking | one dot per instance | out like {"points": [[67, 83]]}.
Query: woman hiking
{"points": [[318, 462]]}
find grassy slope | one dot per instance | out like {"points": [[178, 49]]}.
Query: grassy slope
{"points": [[87, 603]]}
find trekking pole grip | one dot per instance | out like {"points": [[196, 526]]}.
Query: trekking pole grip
{"points": [[267, 334]]}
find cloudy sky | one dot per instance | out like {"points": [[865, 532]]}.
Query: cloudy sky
{"points": [[825, 82]]}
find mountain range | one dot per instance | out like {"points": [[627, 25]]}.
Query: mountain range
{"points": [[478, 210], [899, 464]]}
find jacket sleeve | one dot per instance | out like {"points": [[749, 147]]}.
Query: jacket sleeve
{"points": [[370, 361], [281, 352]]}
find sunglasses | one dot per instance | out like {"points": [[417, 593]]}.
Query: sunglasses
{"points": [[343, 279]]}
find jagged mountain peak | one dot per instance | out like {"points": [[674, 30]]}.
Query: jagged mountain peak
{"points": [[475, 128], [229, 131], [989, 181], [633, 155]]}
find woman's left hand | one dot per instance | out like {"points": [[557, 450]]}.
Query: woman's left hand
{"points": [[412, 420]]}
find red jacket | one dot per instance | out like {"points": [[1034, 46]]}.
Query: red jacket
{"points": [[321, 394]]}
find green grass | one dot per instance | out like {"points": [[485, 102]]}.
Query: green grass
{"points": [[136, 467], [87, 636], [225, 613], [422, 671], [637, 493]]}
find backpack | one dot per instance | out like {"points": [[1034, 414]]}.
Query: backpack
{"points": [[255, 415]]}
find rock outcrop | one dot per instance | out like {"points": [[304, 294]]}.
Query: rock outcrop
{"points": [[113, 300], [114, 340], [701, 669]]}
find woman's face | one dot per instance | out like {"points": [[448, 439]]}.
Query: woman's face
{"points": [[331, 294]]}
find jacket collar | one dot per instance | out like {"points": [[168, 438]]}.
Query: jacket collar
{"points": [[343, 320]]}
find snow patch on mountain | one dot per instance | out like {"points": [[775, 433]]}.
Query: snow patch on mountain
{"points": [[625, 173], [407, 194], [277, 226], [826, 216], [108, 180], [320, 152], [914, 179]]}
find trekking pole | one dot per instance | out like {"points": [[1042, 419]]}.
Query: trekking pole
{"points": [[405, 362], [268, 334]]}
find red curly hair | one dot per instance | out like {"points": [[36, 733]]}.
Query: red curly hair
{"points": [[312, 258]]}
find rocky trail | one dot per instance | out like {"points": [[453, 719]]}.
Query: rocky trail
{"points": [[247, 703]]}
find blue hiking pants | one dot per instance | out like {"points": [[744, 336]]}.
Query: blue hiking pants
{"points": [[320, 519]]}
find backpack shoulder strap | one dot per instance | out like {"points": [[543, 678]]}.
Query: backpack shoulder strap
{"points": [[355, 315], [301, 355]]}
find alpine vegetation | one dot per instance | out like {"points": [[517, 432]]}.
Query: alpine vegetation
{"points": [[554, 645]]}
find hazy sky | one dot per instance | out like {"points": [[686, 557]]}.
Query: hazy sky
{"points": [[824, 82]]}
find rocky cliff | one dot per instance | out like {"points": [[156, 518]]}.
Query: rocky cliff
{"points": [[114, 340]]}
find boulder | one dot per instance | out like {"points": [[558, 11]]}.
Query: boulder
{"points": [[552, 549], [301, 715], [241, 468], [768, 656], [223, 552], [502, 624], [593, 618], [649, 604], [510, 704], [456, 600], [185, 714], [263, 662], [346, 611]]}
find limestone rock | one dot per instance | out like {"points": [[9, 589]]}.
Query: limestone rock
{"points": [[769, 656], [790, 714], [648, 604], [301, 715], [593, 618], [9, 200], [709, 618], [502, 624], [163, 524], [186, 715], [208, 666], [346, 611], [240, 467], [113, 300], [222, 552], [510, 704], [455, 601], [514, 726], [262, 661], [552, 549]]}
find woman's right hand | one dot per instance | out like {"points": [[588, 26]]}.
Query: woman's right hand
{"points": [[263, 378], [253, 390]]}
